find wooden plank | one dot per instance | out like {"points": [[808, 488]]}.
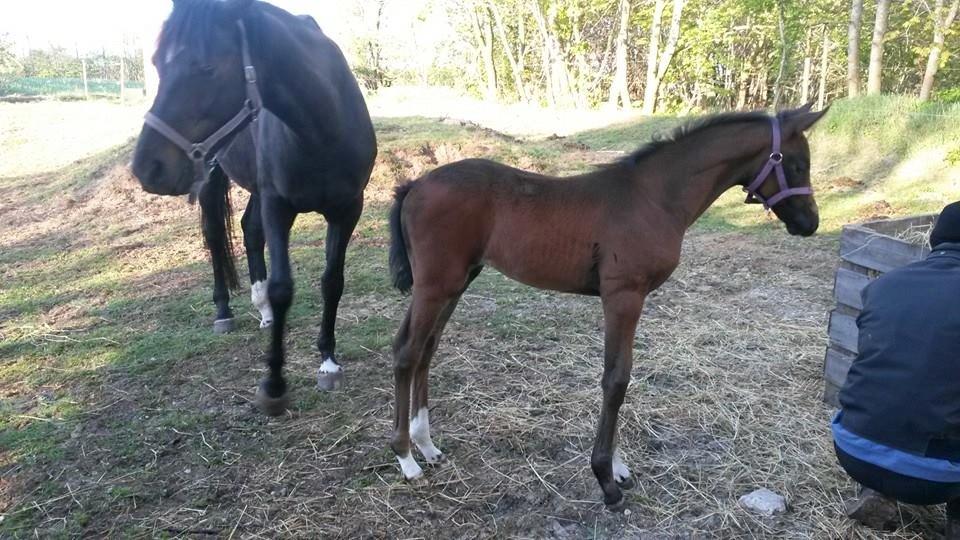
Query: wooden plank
{"points": [[831, 394], [877, 252], [843, 331], [836, 365], [891, 227], [847, 287]]}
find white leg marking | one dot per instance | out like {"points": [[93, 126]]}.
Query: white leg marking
{"points": [[420, 435], [411, 471], [329, 366], [260, 300], [620, 470]]}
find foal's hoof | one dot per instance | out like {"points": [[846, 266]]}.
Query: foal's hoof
{"points": [[627, 483], [329, 381], [223, 326], [269, 405]]}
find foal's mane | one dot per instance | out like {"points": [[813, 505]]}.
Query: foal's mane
{"points": [[661, 140]]}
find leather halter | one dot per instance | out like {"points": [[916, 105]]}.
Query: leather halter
{"points": [[774, 164], [202, 153]]}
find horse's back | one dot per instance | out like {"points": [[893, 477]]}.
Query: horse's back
{"points": [[484, 212]]}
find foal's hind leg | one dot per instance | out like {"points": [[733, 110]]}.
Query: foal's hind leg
{"points": [[253, 241], [339, 230], [416, 336], [420, 425], [621, 312]]}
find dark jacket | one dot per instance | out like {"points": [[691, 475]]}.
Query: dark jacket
{"points": [[903, 390]]}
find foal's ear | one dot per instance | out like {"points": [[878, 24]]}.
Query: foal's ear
{"points": [[237, 8], [798, 122]]}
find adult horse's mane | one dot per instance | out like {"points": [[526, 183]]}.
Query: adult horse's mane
{"points": [[690, 128], [189, 25]]}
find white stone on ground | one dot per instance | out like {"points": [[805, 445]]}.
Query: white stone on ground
{"points": [[763, 501]]}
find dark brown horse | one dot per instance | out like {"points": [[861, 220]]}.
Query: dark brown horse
{"points": [[615, 232]]}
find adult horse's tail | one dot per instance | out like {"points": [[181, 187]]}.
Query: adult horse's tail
{"points": [[216, 214], [400, 269]]}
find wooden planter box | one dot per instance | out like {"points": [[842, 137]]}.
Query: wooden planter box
{"points": [[867, 250]]}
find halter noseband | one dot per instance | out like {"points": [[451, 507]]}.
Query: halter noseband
{"points": [[200, 153], [774, 163]]}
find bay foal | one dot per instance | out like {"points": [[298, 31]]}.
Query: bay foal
{"points": [[615, 232]]}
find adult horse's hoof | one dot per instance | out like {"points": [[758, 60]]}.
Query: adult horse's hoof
{"points": [[627, 483], [223, 326], [617, 506], [269, 405], [329, 381]]}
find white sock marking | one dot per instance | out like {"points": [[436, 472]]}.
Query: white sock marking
{"points": [[620, 470], [408, 465], [420, 435], [260, 300], [329, 366]]}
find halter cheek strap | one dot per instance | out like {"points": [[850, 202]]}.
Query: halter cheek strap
{"points": [[201, 153], [774, 164]]}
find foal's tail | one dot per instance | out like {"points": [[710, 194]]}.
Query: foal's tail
{"points": [[400, 269], [216, 215]]}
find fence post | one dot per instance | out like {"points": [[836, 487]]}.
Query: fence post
{"points": [[86, 90], [123, 67]]}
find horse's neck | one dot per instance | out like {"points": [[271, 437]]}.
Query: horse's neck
{"points": [[286, 93], [693, 172]]}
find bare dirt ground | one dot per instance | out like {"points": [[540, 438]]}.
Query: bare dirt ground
{"points": [[123, 416]]}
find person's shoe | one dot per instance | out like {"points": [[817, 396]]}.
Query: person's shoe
{"points": [[873, 510]]}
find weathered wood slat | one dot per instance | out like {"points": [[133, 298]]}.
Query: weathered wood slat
{"points": [[843, 331], [837, 365], [877, 252], [847, 287]]}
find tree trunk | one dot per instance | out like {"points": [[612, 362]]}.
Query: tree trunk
{"points": [[86, 87], [940, 27], [652, 90], [653, 56], [618, 89], [743, 86], [853, 48], [824, 59], [123, 77], [781, 25], [485, 32], [508, 51], [875, 73]]}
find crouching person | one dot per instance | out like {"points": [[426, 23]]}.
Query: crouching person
{"points": [[898, 430]]}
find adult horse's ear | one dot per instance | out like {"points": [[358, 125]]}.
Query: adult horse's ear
{"points": [[237, 8], [801, 121]]}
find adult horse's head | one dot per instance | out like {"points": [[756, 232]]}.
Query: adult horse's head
{"points": [[203, 85], [783, 183]]}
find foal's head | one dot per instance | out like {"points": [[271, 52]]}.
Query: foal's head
{"points": [[202, 86], [798, 212]]}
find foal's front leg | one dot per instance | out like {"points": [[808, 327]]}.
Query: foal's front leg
{"points": [[621, 312]]}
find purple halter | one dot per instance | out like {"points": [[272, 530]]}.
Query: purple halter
{"points": [[201, 153], [774, 163]]}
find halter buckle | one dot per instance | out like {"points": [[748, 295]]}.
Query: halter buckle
{"points": [[250, 73], [198, 152], [776, 158]]}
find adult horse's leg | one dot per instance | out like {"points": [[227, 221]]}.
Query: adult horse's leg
{"points": [[253, 240], [420, 425], [416, 336], [339, 230], [278, 217], [621, 311], [215, 218]]}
